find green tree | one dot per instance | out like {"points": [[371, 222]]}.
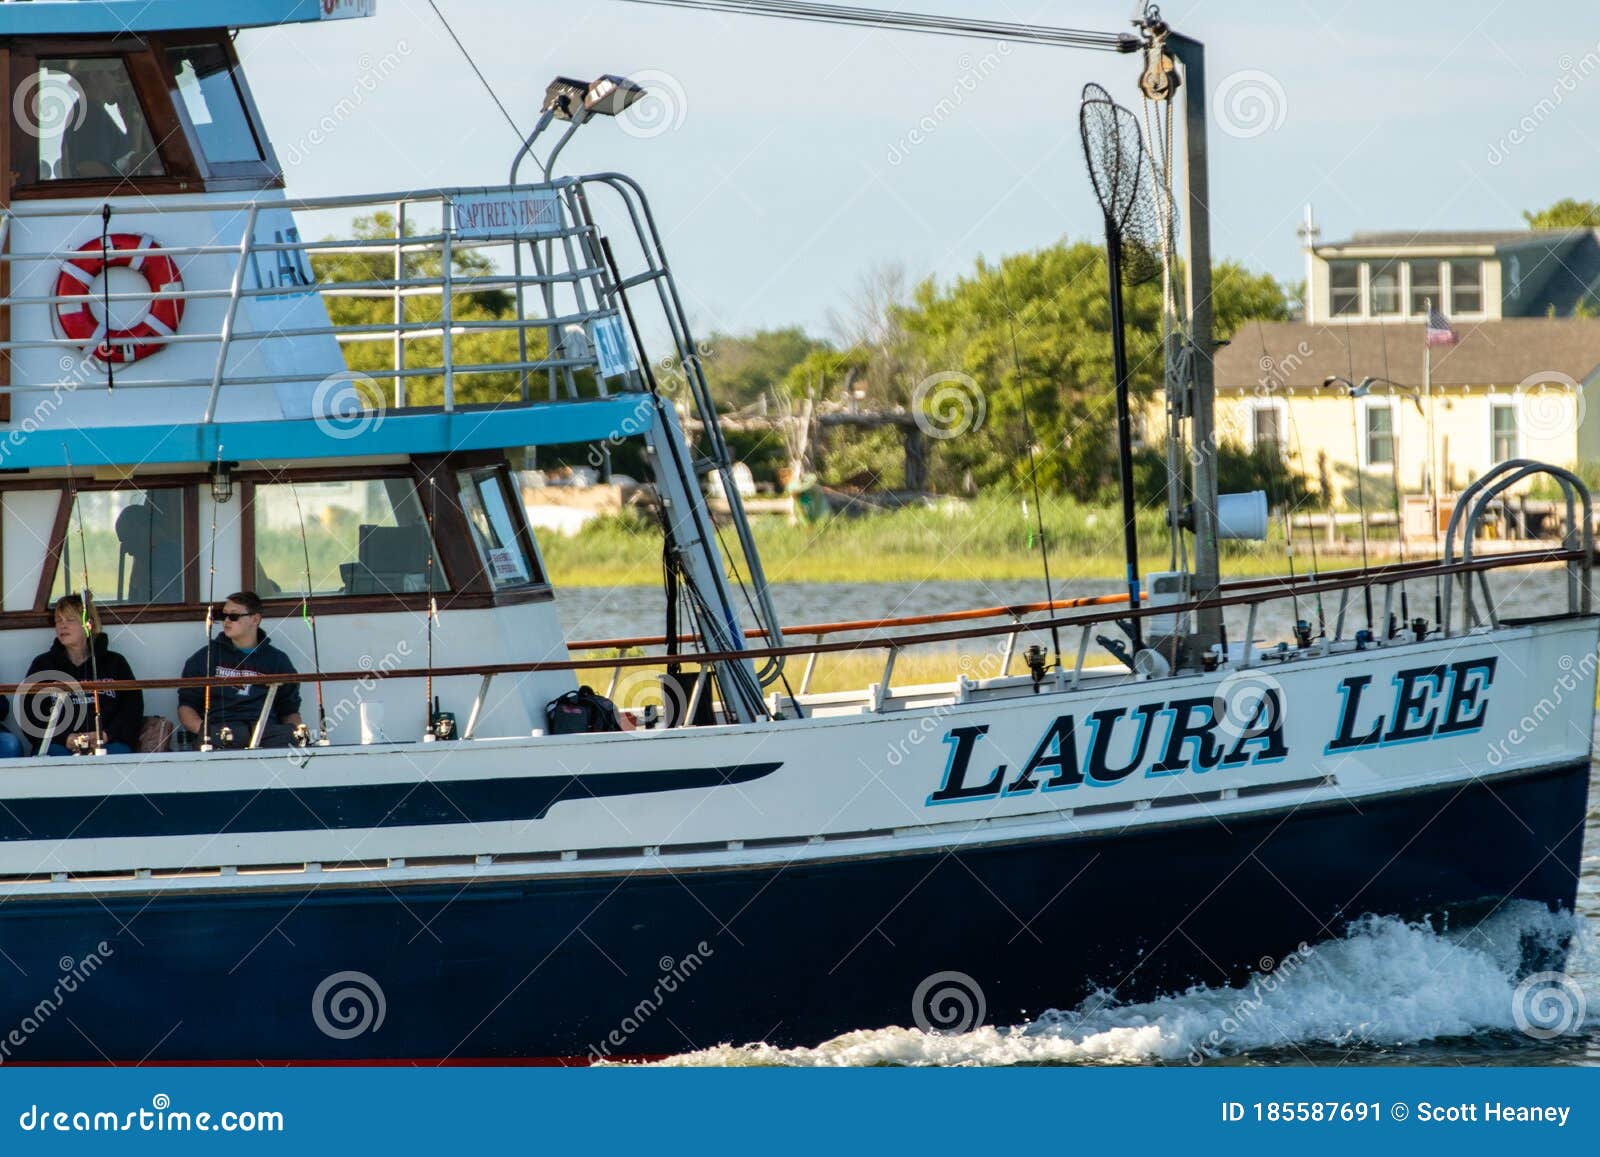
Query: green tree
{"points": [[742, 369], [376, 307], [1031, 334], [1566, 213]]}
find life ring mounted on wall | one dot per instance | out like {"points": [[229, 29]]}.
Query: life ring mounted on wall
{"points": [[161, 317]]}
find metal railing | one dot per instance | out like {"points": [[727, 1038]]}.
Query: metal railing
{"points": [[1248, 594], [424, 284]]}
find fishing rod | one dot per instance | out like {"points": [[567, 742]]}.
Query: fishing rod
{"points": [[87, 600], [310, 617], [428, 709], [1033, 465], [211, 610]]}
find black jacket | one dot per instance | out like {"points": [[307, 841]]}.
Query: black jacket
{"points": [[121, 712], [239, 705]]}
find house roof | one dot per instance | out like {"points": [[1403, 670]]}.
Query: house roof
{"points": [[1404, 238], [1283, 354]]}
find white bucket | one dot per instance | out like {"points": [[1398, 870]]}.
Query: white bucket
{"points": [[372, 723], [1242, 516]]}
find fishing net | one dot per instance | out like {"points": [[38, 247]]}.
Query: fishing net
{"points": [[1119, 170]]}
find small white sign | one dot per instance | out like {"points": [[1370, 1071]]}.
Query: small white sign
{"points": [[516, 213], [611, 347], [348, 9]]}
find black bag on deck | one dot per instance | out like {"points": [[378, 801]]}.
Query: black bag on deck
{"points": [[581, 711]]}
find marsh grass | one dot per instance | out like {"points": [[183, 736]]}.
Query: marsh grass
{"points": [[989, 539]]}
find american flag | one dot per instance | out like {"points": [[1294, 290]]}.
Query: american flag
{"points": [[1439, 331]]}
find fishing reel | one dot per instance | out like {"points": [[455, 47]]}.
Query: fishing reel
{"points": [[441, 724], [1037, 659]]}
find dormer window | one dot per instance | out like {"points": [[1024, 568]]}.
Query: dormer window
{"points": [[1466, 286], [1344, 288]]}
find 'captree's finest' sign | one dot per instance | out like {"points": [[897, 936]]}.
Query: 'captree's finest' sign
{"points": [[511, 213]]}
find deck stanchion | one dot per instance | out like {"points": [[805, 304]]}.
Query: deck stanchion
{"points": [[477, 707], [1083, 651], [1250, 637], [811, 667], [228, 318]]}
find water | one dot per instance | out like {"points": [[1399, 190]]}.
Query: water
{"points": [[590, 613], [1387, 993]]}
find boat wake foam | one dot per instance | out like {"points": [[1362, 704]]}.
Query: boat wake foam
{"points": [[1385, 983]]}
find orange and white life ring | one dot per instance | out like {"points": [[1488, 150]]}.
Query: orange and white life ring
{"points": [[161, 317]]}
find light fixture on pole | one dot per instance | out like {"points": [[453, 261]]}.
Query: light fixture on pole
{"points": [[222, 483], [575, 102]]}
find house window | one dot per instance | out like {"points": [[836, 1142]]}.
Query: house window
{"points": [[1425, 287], [1502, 431], [366, 536], [1266, 428], [1344, 288], [1380, 435], [1383, 292], [1466, 287]]}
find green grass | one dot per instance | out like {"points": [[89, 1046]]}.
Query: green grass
{"points": [[988, 539]]}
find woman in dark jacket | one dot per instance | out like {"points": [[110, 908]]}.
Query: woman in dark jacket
{"points": [[68, 661]]}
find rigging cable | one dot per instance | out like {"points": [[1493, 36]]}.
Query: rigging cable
{"points": [[473, 64]]}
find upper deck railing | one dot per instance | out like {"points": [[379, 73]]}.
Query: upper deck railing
{"points": [[431, 312]]}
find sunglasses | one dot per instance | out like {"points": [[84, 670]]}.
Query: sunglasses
{"points": [[234, 616]]}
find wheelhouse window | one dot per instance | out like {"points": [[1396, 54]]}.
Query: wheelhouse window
{"points": [[1344, 288], [486, 501], [134, 541], [1503, 431], [1380, 435], [86, 117], [210, 95], [362, 537]]}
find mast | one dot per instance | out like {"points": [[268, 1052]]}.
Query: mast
{"points": [[1190, 54]]}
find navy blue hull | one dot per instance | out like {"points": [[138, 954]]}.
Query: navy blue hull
{"points": [[609, 965]]}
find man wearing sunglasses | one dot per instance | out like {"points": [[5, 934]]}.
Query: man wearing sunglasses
{"points": [[240, 649]]}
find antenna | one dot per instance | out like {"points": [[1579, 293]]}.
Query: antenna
{"points": [[88, 601], [310, 618]]}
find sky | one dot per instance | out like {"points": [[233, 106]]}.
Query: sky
{"points": [[787, 162]]}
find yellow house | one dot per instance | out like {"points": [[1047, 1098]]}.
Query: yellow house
{"points": [[1505, 388]]}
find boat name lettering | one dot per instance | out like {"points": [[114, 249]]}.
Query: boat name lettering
{"points": [[1173, 737]]}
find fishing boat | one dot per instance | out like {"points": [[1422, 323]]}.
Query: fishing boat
{"points": [[454, 856]]}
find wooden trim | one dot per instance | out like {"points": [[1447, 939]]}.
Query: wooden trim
{"points": [[168, 126], [452, 536], [7, 176], [88, 484], [261, 173], [247, 536], [308, 474], [282, 608], [52, 552], [191, 544]]}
